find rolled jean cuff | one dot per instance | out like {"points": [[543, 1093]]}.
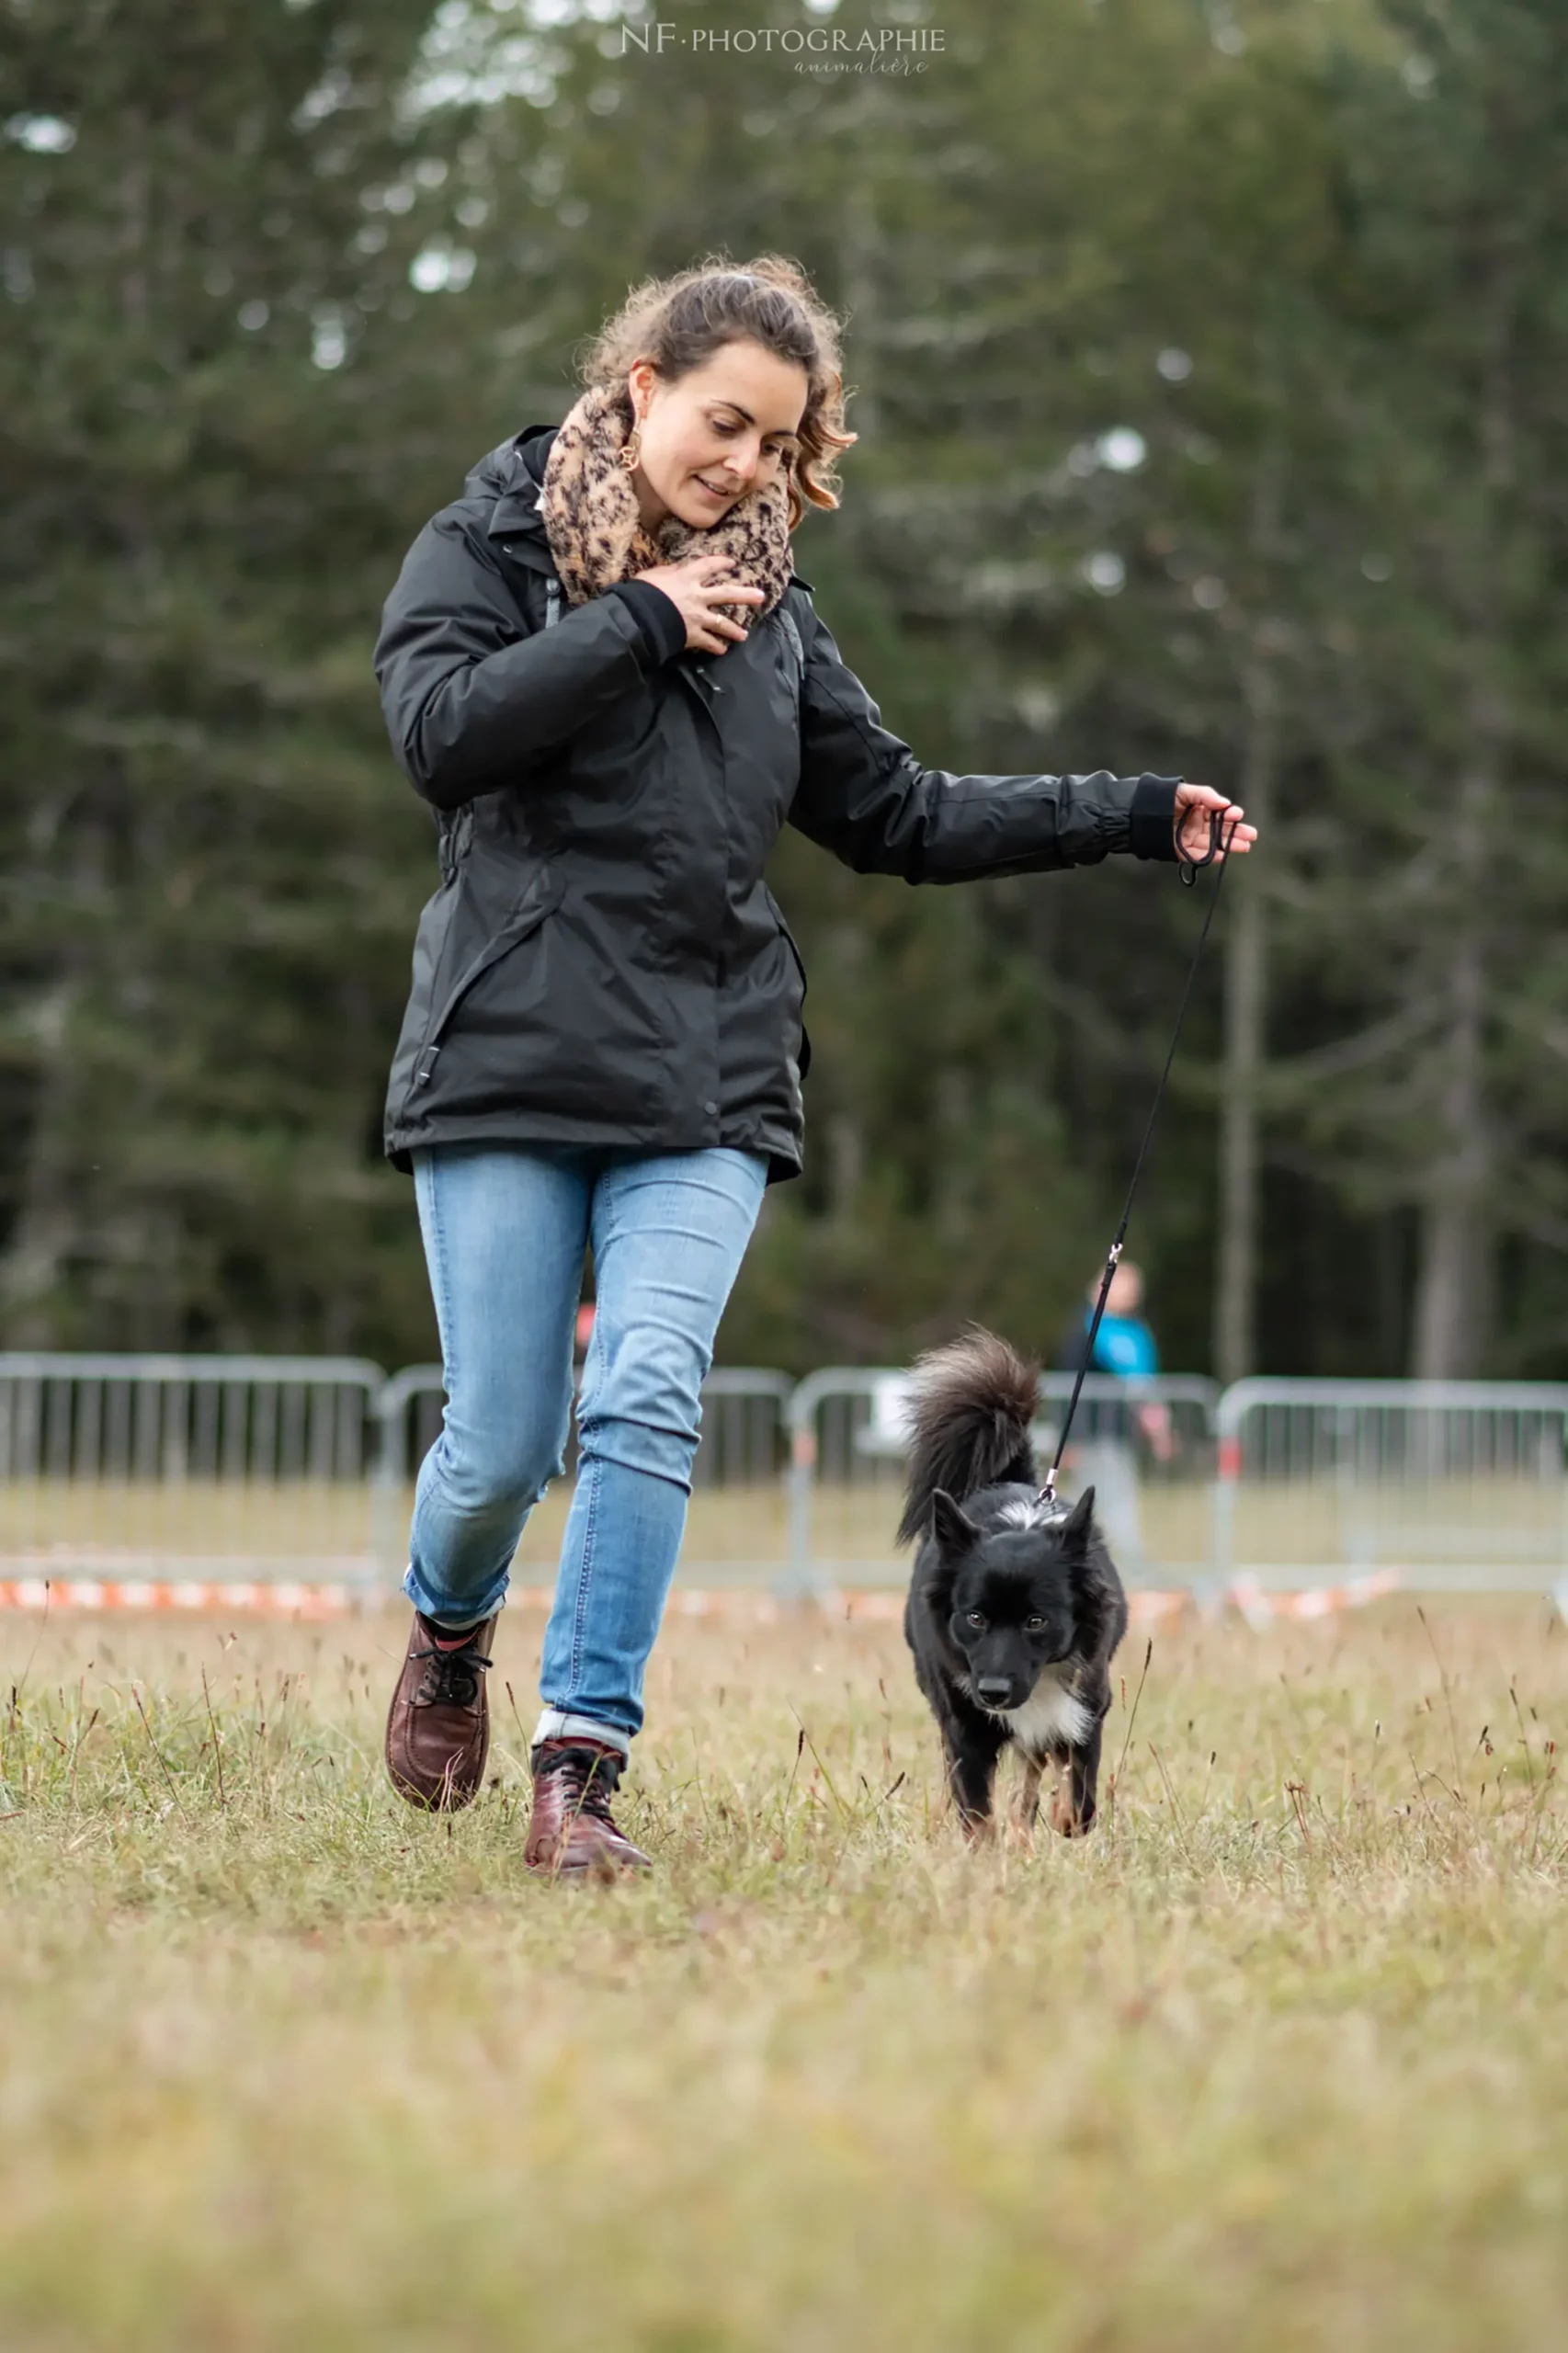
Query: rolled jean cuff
{"points": [[555, 1723], [457, 1616]]}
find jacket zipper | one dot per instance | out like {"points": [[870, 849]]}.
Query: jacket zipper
{"points": [[501, 946]]}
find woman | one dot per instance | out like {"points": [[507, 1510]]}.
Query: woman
{"points": [[604, 1041]]}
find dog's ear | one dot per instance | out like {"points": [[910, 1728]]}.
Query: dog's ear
{"points": [[1078, 1526], [952, 1529]]}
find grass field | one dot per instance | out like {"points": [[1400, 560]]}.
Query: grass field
{"points": [[1278, 2058]]}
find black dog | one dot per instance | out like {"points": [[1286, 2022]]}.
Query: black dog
{"points": [[1015, 1607]]}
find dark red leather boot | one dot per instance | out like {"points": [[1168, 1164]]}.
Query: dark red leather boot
{"points": [[572, 1832], [439, 1724]]}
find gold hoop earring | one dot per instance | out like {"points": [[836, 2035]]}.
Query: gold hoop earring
{"points": [[631, 448]]}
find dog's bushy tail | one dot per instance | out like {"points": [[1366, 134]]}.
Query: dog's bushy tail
{"points": [[973, 1402]]}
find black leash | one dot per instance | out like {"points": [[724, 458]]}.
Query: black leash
{"points": [[1190, 867]]}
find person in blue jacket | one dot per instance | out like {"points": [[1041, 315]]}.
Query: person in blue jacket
{"points": [[1108, 1431]]}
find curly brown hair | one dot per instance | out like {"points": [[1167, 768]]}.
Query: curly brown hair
{"points": [[679, 322]]}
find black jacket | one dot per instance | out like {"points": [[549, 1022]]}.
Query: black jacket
{"points": [[603, 962]]}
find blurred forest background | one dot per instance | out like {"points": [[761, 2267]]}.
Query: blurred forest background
{"points": [[1210, 359]]}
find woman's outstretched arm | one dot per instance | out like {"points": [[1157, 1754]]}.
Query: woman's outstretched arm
{"points": [[864, 795]]}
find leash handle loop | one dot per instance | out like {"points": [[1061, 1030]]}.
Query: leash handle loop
{"points": [[1191, 866]]}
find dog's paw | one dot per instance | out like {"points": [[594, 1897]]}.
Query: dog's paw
{"points": [[978, 1830], [1064, 1819]]}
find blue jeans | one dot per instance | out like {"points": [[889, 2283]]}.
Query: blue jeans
{"points": [[505, 1229]]}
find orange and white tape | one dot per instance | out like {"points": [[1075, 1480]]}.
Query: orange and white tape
{"points": [[744, 1605], [291, 1599], [279, 1600], [1260, 1605], [294, 1598]]}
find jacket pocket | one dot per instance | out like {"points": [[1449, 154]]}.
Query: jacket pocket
{"points": [[542, 893], [789, 938]]}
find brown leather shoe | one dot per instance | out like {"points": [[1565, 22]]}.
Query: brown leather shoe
{"points": [[572, 1831], [439, 1724]]}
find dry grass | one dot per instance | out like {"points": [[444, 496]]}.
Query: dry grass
{"points": [[1278, 2058]]}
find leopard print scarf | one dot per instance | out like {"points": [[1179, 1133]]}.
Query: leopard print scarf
{"points": [[588, 504]]}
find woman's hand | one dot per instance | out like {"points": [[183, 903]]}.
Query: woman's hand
{"points": [[1193, 804], [697, 584]]}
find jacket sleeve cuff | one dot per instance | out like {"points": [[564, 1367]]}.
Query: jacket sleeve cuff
{"points": [[658, 619], [1151, 818]]}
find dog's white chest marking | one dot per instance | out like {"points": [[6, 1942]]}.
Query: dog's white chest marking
{"points": [[1049, 1717]]}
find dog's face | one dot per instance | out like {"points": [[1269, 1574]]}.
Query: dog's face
{"points": [[1010, 1593]]}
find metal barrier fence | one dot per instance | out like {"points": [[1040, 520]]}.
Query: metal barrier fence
{"points": [[744, 1449], [1454, 1484], [235, 1468], [1146, 1446], [272, 1470]]}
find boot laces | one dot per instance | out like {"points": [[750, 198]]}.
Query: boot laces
{"points": [[451, 1678], [588, 1781]]}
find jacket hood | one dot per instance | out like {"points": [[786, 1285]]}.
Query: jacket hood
{"points": [[512, 475]]}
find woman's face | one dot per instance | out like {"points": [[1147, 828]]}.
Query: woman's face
{"points": [[724, 430]]}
